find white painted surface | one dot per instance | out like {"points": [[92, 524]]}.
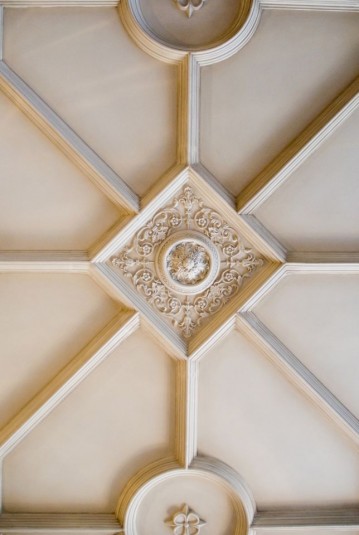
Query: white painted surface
{"points": [[252, 418], [45, 201], [120, 101], [113, 424], [316, 317], [255, 103], [317, 208], [44, 321]]}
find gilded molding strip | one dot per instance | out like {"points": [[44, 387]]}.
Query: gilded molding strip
{"points": [[59, 522]]}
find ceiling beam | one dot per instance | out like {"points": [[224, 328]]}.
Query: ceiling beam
{"points": [[342, 519], [335, 260], [279, 170], [67, 379], [67, 140], [186, 411], [258, 333], [313, 5], [44, 261], [58, 522]]}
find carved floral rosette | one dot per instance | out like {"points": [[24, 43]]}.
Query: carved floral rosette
{"points": [[187, 213]]}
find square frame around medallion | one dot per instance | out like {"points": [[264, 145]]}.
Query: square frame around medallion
{"points": [[187, 261]]}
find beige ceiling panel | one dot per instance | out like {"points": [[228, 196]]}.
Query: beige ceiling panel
{"points": [[118, 99], [254, 419], [308, 531], [316, 317], [317, 208], [45, 201], [45, 319], [116, 421], [256, 102]]}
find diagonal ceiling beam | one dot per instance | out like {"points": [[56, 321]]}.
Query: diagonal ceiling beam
{"points": [[66, 139], [59, 522], [346, 519], [258, 333], [67, 379], [278, 171]]}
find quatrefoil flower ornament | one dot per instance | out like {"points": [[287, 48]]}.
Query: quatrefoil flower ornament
{"points": [[190, 6], [186, 522]]}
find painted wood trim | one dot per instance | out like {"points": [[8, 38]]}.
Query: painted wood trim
{"points": [[346, 519], [188, 110], [279, 252], [258, 333], [334, 258], [1, 31], [60, 3], [67, 140], [186, 411], [58, 522], [314, 5], [279, 170], [67, 379], [44, 261]]}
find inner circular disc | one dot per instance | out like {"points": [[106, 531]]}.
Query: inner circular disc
{"points": [[204, 27]]}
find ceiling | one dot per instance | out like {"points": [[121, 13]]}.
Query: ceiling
{"points": [[128, 130]]}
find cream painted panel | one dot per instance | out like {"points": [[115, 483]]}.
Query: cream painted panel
{"points": [[307, 532], [254, 103], [45, 201], [44, 321], [117, 98], [118, 420], [316, 317], [317, 208], [254, 419]]}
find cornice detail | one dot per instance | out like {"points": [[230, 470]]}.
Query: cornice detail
{"points": [[186, 223]]}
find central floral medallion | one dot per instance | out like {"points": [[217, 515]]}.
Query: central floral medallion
{"points": [[188, 263]]}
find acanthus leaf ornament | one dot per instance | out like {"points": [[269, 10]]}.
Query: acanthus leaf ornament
{"points": [[185, 522], [187, 262], [189, 6]]}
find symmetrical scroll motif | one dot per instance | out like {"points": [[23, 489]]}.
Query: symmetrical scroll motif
{"points": [[187, 262], [185, 522], [189, 6]]}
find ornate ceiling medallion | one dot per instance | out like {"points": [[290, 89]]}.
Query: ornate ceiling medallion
{"points": [[190, 6], [186, 262], [186, 522]]}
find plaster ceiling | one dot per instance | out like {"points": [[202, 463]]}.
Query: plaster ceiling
{"points": [[126, 131]]}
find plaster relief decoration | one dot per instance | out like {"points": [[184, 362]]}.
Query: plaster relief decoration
{"points": [[187, 262], [185, 522], [190, 6]]}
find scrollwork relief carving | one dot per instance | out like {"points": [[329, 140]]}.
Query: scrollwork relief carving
{"points": [[187, 262]]}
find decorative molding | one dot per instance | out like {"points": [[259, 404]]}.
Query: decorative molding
{"points": [[185, 522], [190, 6], [1, 31], [334, 258], [227, 256], [258, 333], [346, 519], [67, 379], [209, 468], [279, 252], [59, 523], [279, 170], [67, 140], [313, 5], [44, 261], [186, 411]]}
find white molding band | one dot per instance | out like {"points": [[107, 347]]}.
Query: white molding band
{"points": [[279, 170], [258, 333], [346, 519], [44, 261], [186, 411], [67, 379], [59, 522], [313, 5], [66, 139]]}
